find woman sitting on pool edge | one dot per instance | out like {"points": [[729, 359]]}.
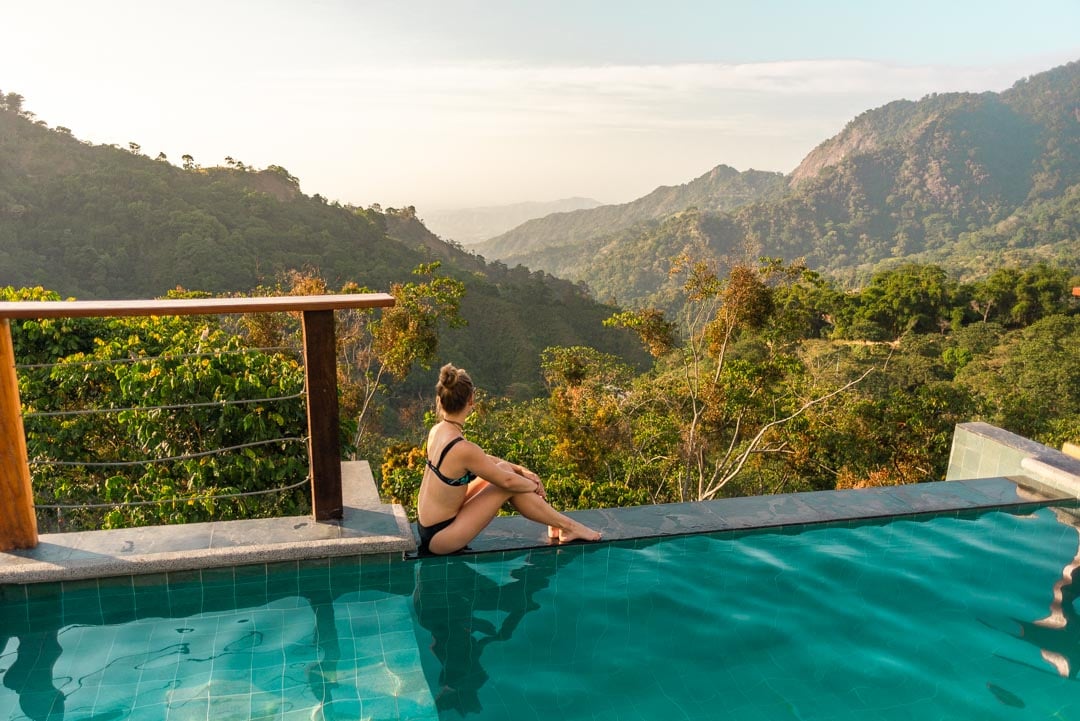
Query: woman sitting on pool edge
{"points": [[464, 488]]}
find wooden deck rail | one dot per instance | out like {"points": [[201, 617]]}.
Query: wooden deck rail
{"points": [[18, 524]]}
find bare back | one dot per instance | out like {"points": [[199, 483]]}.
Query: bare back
{"points": [[439, 501]]}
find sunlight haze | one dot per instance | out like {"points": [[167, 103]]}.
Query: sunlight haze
{"points": [[457, 104]]}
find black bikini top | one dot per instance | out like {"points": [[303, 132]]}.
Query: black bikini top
{"points": [[464, 480]]}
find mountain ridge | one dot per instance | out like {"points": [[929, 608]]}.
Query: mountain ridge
{"points": [[910, 179], [720, 188]]}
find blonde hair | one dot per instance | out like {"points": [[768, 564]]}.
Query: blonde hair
{"points": [[454, 388]]}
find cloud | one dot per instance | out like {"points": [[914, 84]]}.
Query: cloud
{"points": [[517, 99]]}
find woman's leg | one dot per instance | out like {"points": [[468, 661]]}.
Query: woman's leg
{"points": [[481, 505], [535, 508]]}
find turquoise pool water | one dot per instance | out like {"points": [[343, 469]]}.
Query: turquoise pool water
{"points": [[971, 617]]}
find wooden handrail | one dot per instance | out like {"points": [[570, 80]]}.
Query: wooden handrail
{"points": [[18, 525], [189, 306]]}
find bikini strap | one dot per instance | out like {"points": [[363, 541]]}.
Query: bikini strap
{"points": [[445, 450]]}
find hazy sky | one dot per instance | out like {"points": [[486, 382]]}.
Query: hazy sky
{"points": [[454, 103]]}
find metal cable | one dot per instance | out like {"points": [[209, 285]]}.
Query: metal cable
{"points": [[189, 456], [124, 504], [181, 406], [143, 359]]}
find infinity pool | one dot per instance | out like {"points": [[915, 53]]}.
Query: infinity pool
{"points": [[969, 617]]}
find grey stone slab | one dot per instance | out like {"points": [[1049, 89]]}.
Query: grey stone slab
{"points": [[856, 503], [662, 520], [939, 496], [769, 511], [1007, 492]]}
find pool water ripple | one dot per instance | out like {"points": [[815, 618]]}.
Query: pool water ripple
{"points": [[910, 619]]}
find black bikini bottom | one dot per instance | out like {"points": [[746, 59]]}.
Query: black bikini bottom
{"points": [[428, 532]]}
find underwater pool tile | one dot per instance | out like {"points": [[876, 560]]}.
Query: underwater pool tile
{"points": [[377, 578], [218, 576], [149, 580], [282, 583], [118, 609], [395, 641], [185, 602], [282, 567], [36, 592], [13, 593], [44, 705], [116, 586], [80, 585], [250, 572], [184, 579], [376, 559]]}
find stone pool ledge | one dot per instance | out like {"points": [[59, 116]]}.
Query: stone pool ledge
{"points": [[989, 468], [790, 511], [368, 527]]}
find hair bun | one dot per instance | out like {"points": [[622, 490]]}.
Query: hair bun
{"points": [[448, 375]]}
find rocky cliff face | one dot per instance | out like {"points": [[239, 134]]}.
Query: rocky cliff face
{"points": [[867, 133]]}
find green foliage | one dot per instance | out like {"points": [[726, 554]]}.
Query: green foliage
{"points": [[165, 388], [1029, 383]]}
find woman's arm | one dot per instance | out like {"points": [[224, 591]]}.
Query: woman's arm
{"points": [[502, 473], [517, 468]]}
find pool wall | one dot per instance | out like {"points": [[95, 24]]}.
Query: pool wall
{"points": [[980, 450]]}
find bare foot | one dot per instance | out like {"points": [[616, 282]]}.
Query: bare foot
{"points": [[578, 532]]}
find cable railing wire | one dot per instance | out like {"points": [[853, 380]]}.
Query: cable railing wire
{"points": [[176, 407], [187, 499], [168, 459], [144, 359], [171, 407]]}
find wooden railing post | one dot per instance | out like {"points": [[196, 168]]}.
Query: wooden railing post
{"points": [[18, 524], [324, 445]]}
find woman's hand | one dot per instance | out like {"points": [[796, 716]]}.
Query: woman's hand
{"points": [[523, 471]]}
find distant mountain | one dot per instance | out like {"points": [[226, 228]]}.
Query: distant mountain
{"points": [[722, 188], [473, 225], [971, 181], [97, 221]]}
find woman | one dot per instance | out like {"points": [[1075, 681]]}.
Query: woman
{"points": [[463, 487]]}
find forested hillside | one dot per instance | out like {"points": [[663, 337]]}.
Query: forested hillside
{"points": [[968, 181], [93, 221], [722, 188]]}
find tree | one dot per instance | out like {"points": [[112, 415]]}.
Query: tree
{"points": [[733, 384], [1030, 382], [14, 102], [910, 299]]}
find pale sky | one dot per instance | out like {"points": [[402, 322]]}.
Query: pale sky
{"points": [[458, 103]]}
